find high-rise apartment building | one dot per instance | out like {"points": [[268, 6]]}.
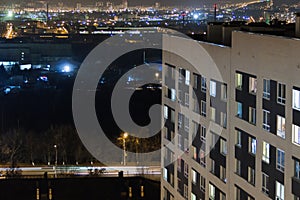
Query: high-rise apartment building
{"points": [[231, 120]]}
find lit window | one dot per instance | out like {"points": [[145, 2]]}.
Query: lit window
{"points": [[266, 152], [238, 141], [297, 169], [265, 184], [266, 87], [252, 85], [281, 126], [173, 94], [252, 115], [194, 151], [194, 176], [252, 145], [213, 88], [203, 84], [166, 112], [187, 99], [180, 142], [266, 120], [203, 108], [202, 158], [212, 192], [187, 77], [224, 92], [239, 110], [193, 196], [296, 134], [281, 93], [296, 99], [280, 160], [223, 146], [279, 191], [239, 81], [213, 166], [165, 175], [213, 114]]}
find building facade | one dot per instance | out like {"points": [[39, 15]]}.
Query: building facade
{"points": [[231, 121]]}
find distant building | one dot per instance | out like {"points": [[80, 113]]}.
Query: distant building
{"points": [[254, 106]]}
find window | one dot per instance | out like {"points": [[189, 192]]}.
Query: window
{"points": [[266, 87], [223, 120], [203, 84], [251, 175], [173, 94], [281, 93], [203, 108], [296, 99], [239, 110], [194, 177], [196, 128], [252, 145], [187, 99], [187, 77], [180, 142], [239, 81], [266, 152], [296, 134], [194, 151], [252, 115], [238, 141], [195, 81], [281, 126], [213, 166], [186, 170], [193, 196], [179, 96], [203, 134], [186, 124], [279, 191], [180, 70], [172, 116], [202, 183], [252, 85], [238, 166], [224, 92], [212, 192], [179, 164], [297, 169], [213, 114], [223, 146], [165, 174], [265, 184], [202, 158], [223, 173], [266, 120], [238, 193], [213, 88], [180, 117], [280, 160], [166, 112], [185, 191], [196, 105]]}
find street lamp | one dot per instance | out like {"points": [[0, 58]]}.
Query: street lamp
{"points": [[125, 135], [55, 147]]}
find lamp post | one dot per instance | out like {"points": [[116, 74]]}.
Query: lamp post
{"points": [[55, 147], [125, 135]]}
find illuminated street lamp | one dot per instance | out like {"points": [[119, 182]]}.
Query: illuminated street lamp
{"points": [[55, 147]]}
